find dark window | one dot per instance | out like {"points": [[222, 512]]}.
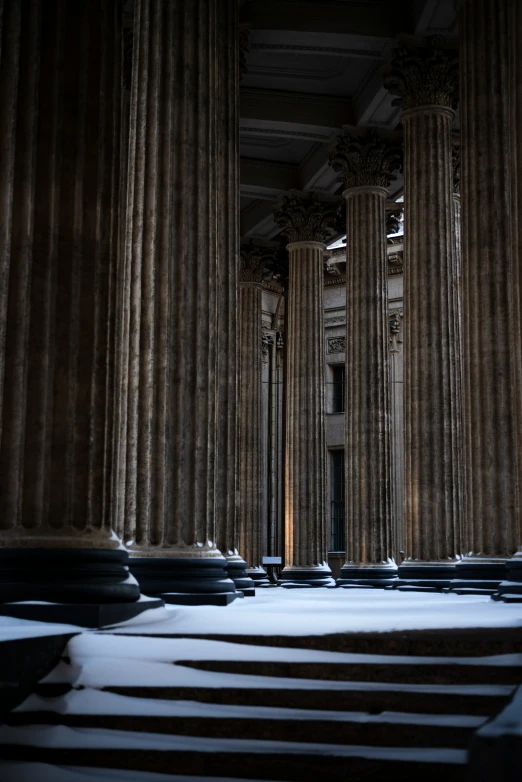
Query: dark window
{"points": [[338, 539], [338, 375]]}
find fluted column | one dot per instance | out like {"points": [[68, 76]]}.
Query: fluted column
{"points": [[252, 523], [425, 77], [490, 280], [510, 590], [306, 220], [60, 86], [366, 163], [179, 337]]}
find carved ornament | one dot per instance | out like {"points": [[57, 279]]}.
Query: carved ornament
{"points": [[367, 159], [307, 217], [256, 262], [424, 74], [336, 345]]}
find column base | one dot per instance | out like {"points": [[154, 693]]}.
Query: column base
{"points": [[295, 578], [510, 589], [473, 577], [366, 577], [259, 577], [182, 581], [237, 570], [85, 587], [81, 614], [424, 577]]}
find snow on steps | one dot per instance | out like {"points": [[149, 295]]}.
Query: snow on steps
{"points": [[113, 693], [400, 670], [91, 709], [230, 758]]}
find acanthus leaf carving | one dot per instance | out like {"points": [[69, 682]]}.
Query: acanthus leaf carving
{"points": [[424, 74], [257, 261], [367, 159], [307, 217]]}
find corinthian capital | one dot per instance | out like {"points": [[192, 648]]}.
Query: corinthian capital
{"points": [[366, 159], [256, 260], [423, 74], [307, 217]]}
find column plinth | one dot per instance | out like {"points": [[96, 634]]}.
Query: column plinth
{"points": [[366, 163], [306, 220], [425, 78], [489, 105], [60, 88], [178, 461]]}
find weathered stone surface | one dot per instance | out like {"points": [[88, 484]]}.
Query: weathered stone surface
{"points": [[60, 88], [366, 164], [178, 464], [425, 79], [490, 279], [254, 260], [306, 220]]}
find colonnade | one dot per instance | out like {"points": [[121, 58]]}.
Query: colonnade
{"points": [[121, 391]]}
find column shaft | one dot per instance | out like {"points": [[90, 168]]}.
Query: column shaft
{"points": [[252, 528], [58, 261], [433, 464], [367, 407], [490, 276], [60, 84], [305, 442], [179, 315]]}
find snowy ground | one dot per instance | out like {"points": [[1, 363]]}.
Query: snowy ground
{"points": [[306, 612], [322, 611], [110, 658]]}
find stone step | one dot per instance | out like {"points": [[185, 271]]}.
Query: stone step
{"points": [[228, 758], [409, 671], [371, 697], [93, 709], [472, 642]]}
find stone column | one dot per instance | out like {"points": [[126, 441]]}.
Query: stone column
{"points": [[179, 472], [366, 163], [254, 259], [425, 77], [490, 283], [306, 220], [510, 590], [60, 85]]}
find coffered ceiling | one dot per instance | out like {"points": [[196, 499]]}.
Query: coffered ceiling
{"points": [[313, 66]]}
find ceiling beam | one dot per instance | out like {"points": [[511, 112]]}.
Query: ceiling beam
{"points": [[271, 177], [296, 108], [380, 18]]}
